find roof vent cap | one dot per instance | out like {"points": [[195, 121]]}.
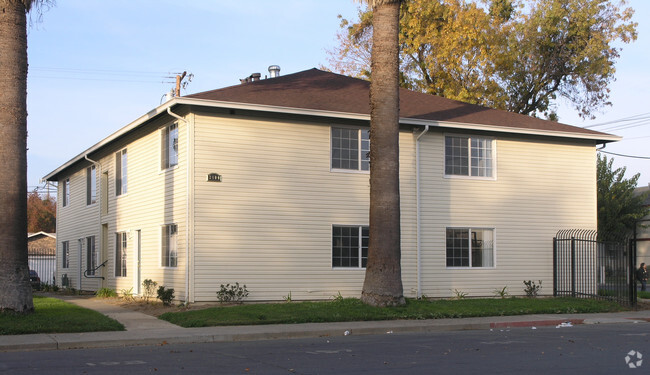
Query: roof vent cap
{"points": [[274, 71]]}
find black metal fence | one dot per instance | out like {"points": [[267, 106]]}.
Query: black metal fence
{"points": [[43, 261], [585, 266]]}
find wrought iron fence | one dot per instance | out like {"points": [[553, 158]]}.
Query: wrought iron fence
{"points": [[586, 266], [43, 261]]}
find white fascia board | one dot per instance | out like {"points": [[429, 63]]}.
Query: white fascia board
{"points": [[133, 125], [510, 130], [319, 113], [404, 121]]}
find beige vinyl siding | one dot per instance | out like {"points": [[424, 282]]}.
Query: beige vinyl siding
{"points": [[541, 186], [76, 221], [268, 224], [153, 198]]}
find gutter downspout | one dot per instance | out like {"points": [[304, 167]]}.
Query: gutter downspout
{"points": [[187, 210], [417, 211]]}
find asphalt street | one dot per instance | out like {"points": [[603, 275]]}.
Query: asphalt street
{"points": [[593, 349]]}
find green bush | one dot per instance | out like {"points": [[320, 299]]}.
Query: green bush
{"points": [[232, 293], [106, 293], [149, 287], [166, 295], [531, 288]]}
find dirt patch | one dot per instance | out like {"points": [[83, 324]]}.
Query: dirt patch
{"points": [[155, 307]]}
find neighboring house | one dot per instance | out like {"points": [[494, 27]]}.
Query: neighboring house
{"points": [[266, 184], [41, 250], [643, 231]]}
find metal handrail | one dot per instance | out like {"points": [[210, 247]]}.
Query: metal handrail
{"points": [[98, 267]]}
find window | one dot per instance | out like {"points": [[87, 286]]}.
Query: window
{"points": [[169, 146], [350, 149], [91, 256], [65, 254], [470, 247], [120, 172], [91, 185], [169, 249], [469, 156], [120, 254], [350, 246], [66, 192]]}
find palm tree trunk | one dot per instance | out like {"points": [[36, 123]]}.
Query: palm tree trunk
{"points": [[383, 281], [15, 289]]}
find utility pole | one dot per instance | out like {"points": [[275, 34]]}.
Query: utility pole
{"points": [[179, 78]]}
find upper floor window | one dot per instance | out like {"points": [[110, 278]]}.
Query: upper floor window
{"points": [[469, 156], [169, 246], [350, 246], [120, 172], [91, 185], [470, 247], [350, 149], [169, 146], [66, 192]]}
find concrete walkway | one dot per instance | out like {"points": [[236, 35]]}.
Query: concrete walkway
{"points": [[143, 329]]}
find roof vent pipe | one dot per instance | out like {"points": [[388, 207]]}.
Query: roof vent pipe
{"points": [[256, 76], [274, 71]]}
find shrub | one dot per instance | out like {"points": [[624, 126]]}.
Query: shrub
{"points": [[127, 294], [232, 293], [460, 294], [503, 293], [166, 295], [531, 288], [106, 293], [149, 287]]}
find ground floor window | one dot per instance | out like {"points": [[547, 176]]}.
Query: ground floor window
{"points": [[120, 254], [169, 245], [65, 254], [470, 247], [91, 256], [349, 246]]}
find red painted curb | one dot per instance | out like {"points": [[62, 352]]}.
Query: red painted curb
{"points": [[535, 323]]}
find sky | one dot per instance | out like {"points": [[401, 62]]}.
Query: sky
{"points": [[95, 66]]}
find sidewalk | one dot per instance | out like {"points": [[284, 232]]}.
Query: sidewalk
{"points": [[143, 329]]}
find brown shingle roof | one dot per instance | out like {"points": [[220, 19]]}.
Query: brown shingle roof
{"points": [[319, 90]]}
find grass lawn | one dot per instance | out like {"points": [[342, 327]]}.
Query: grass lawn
{"points": [[645, 295], [53, 315], [351, 309]]}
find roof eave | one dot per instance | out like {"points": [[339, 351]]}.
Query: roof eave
{"points": [[598, 138]]}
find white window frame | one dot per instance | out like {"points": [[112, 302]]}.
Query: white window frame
{"points": [[363, 157], [91, 185], [169, 246], [169, 147], [493, 149], [121, 254], [91, 255], [121, 172], [359, 247], [66, 192], [469, 230], [65, 254]]}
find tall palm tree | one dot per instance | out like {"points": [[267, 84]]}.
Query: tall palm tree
{"points": [[383, 283], [15, 289]]}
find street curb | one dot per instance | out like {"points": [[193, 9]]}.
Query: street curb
{"points": [[160, 337], [535, 323]]}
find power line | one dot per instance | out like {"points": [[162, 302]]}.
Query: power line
{"points": [[625, 156], [642, 116]]}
